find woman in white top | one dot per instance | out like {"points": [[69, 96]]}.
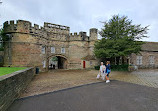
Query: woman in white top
{"points": [[101, 71]]}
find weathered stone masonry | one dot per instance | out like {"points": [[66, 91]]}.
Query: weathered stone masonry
{"points": [[30, 46], [12, 85]]}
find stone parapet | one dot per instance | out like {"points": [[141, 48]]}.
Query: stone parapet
{"points": [[12, 85]]}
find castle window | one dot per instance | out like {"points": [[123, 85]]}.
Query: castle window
{"points": [[151, 59], [139, 60], [44, 64], [62, 50], [43, 50], [52, 49]]}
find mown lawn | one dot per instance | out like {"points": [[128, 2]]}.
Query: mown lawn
{"points": [[8, 70]]}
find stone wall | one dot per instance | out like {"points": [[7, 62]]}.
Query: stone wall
{"points": [[145, 59], [12, 85]]}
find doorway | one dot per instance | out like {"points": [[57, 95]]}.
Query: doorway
{"points": [[58, 62]]}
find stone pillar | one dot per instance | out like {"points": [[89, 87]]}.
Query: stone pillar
{"points": [[93, 34]]}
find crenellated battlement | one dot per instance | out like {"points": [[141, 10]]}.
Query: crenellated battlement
{"points": [[81, 36], [74, 36], [49, 31], [50, 25], [56, 29], [25, 27]]}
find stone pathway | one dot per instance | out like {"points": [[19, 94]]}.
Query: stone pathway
{"points": [[60, 79], [147, 77]]}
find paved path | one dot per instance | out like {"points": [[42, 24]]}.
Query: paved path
{"points": [[61, 79], [146, 77], [114, 96]]}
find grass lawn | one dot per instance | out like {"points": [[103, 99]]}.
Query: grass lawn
{"points": [[8, 70]]}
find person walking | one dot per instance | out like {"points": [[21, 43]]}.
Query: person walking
{"points": [[101, 71], [107, 71]]}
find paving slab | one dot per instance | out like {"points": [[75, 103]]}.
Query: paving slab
{"points": [[114, 96]]}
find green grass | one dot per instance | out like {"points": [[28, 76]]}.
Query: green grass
{"points": [[8, 70]]}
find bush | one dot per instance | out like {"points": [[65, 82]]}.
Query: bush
{"points": [[97, 67], [123, 67]]}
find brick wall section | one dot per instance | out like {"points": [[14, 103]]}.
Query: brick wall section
{"points": [[12, 85]]}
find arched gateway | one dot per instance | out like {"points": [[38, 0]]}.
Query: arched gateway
{"points": [[34, 46], [57, 62]]}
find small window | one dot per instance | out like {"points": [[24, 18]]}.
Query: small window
{"points": [[139, 60], [52, 49], [43, 50], [62, 50], [151, 60], [44, 64]]}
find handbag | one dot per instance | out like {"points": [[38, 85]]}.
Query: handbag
{"points": [[98, 76]]}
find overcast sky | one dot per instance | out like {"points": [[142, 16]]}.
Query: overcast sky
{"points": [[81, 15]]}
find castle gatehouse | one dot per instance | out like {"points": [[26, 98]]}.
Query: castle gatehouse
{"points": [[49, 47]]}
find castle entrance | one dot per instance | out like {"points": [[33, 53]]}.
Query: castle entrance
{"points": [[57, 62]]}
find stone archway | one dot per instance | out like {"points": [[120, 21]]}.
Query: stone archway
{"points": [[57, 62]]}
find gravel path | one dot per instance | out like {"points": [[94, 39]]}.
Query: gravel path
{"points": [[60, 79]]}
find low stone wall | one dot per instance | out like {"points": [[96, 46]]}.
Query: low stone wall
{"points": [[11, 86]]}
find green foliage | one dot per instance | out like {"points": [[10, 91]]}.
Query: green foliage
{"points": [[96, 67], [54, 59], [114, 48], [119, 38], [123, 67], [3, 38]]}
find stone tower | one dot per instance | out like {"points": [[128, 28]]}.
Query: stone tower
{"points": [[93, 34]]}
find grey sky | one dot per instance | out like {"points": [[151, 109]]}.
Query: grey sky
{"points": [[81, 15]]}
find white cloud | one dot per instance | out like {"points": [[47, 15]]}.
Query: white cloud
{"points": [[81, 15]]}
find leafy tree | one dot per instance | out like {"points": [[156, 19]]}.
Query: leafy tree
{"points": [[119, 38], [54, 59], [3, 38]]}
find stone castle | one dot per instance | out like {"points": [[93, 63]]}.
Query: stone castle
{"points": [[34, 46]]}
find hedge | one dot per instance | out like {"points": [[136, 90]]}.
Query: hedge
{"points": [[123, 67]]}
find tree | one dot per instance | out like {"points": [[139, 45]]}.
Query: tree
{"points": [[119, 38], [3, 39]]}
